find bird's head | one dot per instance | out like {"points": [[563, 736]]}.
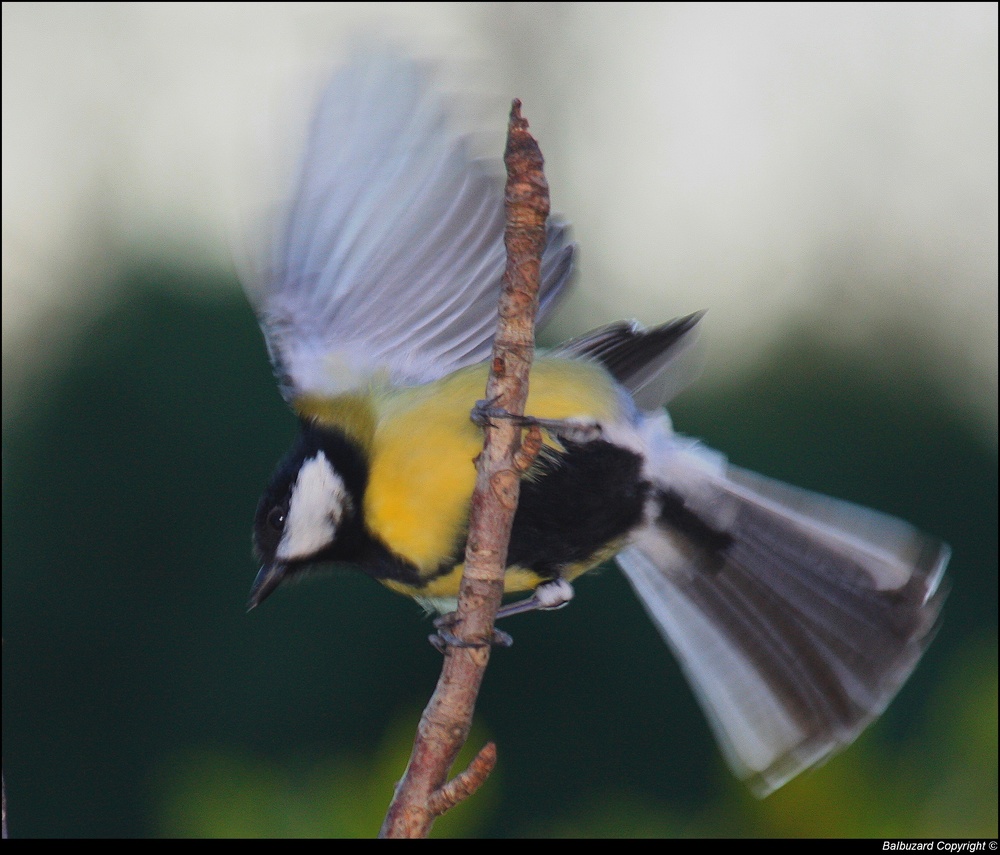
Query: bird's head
{"points": [[309, 513]]}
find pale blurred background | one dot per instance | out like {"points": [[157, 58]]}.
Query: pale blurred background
{"points": [[831, 165], [821, 178]]}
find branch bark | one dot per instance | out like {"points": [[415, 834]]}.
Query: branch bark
{"points": [[423, 794]]}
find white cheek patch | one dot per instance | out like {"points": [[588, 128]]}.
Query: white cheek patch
{"points": [[318, 503]]}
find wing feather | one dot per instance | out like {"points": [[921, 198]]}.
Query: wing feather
{"points": [[388, 260], [650, 363]]}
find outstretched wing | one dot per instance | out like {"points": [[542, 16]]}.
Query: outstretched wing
{"points": [[390, 255], [795, 616]]}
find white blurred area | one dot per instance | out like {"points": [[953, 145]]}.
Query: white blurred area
{"points": [[829, 166]]}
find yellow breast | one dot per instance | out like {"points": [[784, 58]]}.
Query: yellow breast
{"points": [[422, 454]]}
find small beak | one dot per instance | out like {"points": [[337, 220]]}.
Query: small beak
{"points": [[268, 579]]}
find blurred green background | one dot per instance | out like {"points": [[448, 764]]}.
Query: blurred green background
{"points": [[821, 178], [140, 698]]}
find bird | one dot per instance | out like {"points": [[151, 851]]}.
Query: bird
{"points": [[795, 617]]}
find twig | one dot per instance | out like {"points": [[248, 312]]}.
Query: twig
{"points": [[422, 795]]}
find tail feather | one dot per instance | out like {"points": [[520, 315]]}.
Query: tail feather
{"points": [[796, 617]]}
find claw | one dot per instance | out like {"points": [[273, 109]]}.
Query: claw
{"points": [[484, 410], [442, 640], [577, 430], [445, 638]]}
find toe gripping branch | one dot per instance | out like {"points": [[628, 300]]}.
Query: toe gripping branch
{"points": [[552, 595], [445, 637], [571, 430]]}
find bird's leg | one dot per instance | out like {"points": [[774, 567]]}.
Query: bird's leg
{"points": [[572, 430], [548, 596]]}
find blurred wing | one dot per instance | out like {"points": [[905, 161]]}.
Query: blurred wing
{"points": [[796, 617], [646, 362], [390, 256]]}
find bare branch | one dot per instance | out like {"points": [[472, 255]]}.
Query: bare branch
{"points": [[464, 784], [422, 795]]}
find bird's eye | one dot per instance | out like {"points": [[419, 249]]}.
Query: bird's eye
{"points": [[276, 518]]}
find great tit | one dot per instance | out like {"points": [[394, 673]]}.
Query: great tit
{"points": [[795, 617]]}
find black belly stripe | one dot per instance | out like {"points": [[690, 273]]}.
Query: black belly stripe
{"points": [[581, 500], [572, 507]]}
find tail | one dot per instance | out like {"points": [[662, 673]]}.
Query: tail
{"points": [[796, 617]]}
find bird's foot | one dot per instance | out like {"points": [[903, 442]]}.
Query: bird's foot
{"points": [[444, 637], [576, 430]]}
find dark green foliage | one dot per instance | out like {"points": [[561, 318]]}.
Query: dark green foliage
{"points": [[130, 482]]}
